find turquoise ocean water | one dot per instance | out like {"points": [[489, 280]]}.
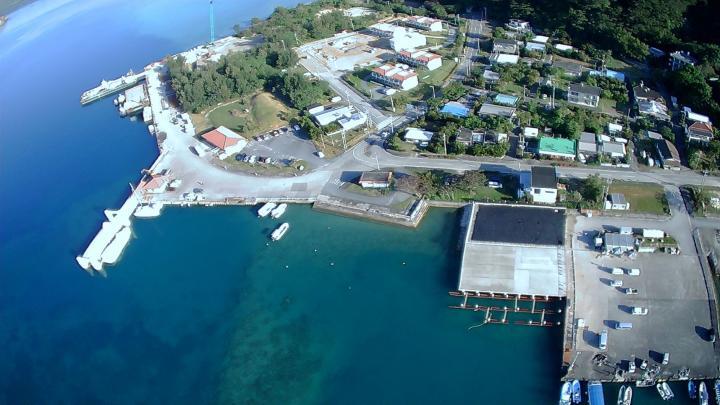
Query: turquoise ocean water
{"points": [[200, 309]]}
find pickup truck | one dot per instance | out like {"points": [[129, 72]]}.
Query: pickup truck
{"points": [[630, 291]]}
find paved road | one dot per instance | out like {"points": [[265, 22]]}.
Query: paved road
{"points": [[475, 29]]}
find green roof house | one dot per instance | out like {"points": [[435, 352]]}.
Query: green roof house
{"points": [[557, 148]]}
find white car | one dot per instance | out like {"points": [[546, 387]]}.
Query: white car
{"points": [[616, 283], [494, 184], [639, 311], [296, 127]]}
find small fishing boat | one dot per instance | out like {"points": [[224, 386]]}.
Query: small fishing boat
{"points": [[703, 395], [621, 395], [576, 394], [717, 392], [692, 390], [278, 211], [266, 209], [664, 390], [627, 397], [566, 393], [280, 231]]}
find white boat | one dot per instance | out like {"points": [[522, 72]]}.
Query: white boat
{"points": [[664, 390], [703, 396], [278, 211], [151, 210], [576, 392], [566, 393], [265, 209], [280, 231], [627, 397], [621, 395]]}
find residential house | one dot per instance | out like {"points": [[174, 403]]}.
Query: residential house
{"points": [[504, 59], [499, 110], [701, 132], [564, 48], [509, 46], [417, 135], [570, 68], [557, 148], [616, 201], [535, 47], [692, 116], [679, 59], [400, 76], [541, 39], [456, 109], [426, 59], [580, 94], [587, 146], [617, 243], [643, 93], [614, 129], [401, 38], [424, 23], [530, 132], [668, 155], [225, 141], [542, 187], [614, 150], [505, 99], [518, 26], [653, 109], [375, 179], [468, 137], [490, 76]]}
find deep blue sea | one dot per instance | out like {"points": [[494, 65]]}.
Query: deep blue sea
{"points": [[200, 309]]}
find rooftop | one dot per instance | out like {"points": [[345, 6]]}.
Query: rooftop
{"points": [[544, 177], [582, 88], [456, 109], [617, 198], [376, 177], [494, 109], [557, 146], [222, 137]]}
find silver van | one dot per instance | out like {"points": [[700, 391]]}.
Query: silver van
{"points": [[603, 340], [623, 325]]}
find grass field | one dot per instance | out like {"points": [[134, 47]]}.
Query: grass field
{"points": [[262, 112], [437, 76], [646, 198]]}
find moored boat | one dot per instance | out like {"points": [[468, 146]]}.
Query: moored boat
{"points": [[704, 397], [692, 392], [627, 397], [664, 390], [565, 393], [279, 210], [621, 395], [717, 392], [576, 394], [280, 231], [266, 209]]}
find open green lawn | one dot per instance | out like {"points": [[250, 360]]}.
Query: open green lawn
{"points": [[262, 112], [647, 198], [483, 193], [510, 88], [438, 76]]}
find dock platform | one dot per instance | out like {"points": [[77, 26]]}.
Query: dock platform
{"points": [[107, 88]]}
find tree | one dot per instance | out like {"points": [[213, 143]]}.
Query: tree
{"points": [[470, 180], [300, 91], [593, 188]]}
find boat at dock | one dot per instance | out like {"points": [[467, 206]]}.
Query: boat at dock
{"points": [[576, 392], [278, 211], [692, 390], [566, 393], [107, 88], [266, 209], [595, 393], [664, 390], [280, 231], [717, 392], [703, 395], [624, 395]]}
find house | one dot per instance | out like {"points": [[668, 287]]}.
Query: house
{"points": [[424, 23], [352, 121], [225, 141], [587, 146], [570, 68], [580, 94], [564, 48], [543, 185], [154, 183], [504, 59], [617, 243], [375, 179], [654, 109], [614, 129], [315, 109], [614, 150], [426, 59], [616, 201], [691, 116], [518, 25], [490, 76], [540, 39], [679, 59], [668, 155], [612, 74], [644, 93], [400, 76], [494, 137], [328, 116], [401, 38], [456, 109], [534, 47], [499, 110], [556, 148], [509, 46], [701, 132], [417, 135], [505, 99], [468, 137]]}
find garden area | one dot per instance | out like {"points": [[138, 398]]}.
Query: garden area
{"points": [[648, 198], [469, 186]]}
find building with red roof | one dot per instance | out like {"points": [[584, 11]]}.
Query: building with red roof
{"points": [[429, 60], [225, 141], [400, 76]]}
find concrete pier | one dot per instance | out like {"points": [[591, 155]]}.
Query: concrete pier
{"points": [[107, 88]]}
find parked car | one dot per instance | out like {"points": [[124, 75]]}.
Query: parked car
{"points": [[623, 325], [494, 184], [630, 291], [617, 271], [252, 159], [296, 127], [666, 358], [639, 311], [633, 272], [616, 283], [240, 156], [320, 155]]}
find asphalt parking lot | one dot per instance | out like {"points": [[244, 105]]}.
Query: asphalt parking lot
{"points": [[288, 145], [671, 287]]}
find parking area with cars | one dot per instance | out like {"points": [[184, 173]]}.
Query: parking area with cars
{"points": [[652, 307], [281, 146]]}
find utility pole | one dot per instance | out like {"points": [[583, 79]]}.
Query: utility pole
{"points": [[433, 89], [392, 103], [296, 38], [283, 42], [377, 162], [445, 143]]}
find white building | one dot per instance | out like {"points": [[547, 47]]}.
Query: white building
{"points": [[400, 76], [504, 59], [541, 186], [616, 201], [353, 121], [225, 141], [404, 39], [427, 59], [518, 25], [417, 135], [424, 23], [345, 116]]}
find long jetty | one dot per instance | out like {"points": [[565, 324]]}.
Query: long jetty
{"points": [[108, 87]]}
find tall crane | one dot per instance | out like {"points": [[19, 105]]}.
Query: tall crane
{"points": [[212, 22]]}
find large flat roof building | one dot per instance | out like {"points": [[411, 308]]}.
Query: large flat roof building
{"points": [[517, 250]]}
